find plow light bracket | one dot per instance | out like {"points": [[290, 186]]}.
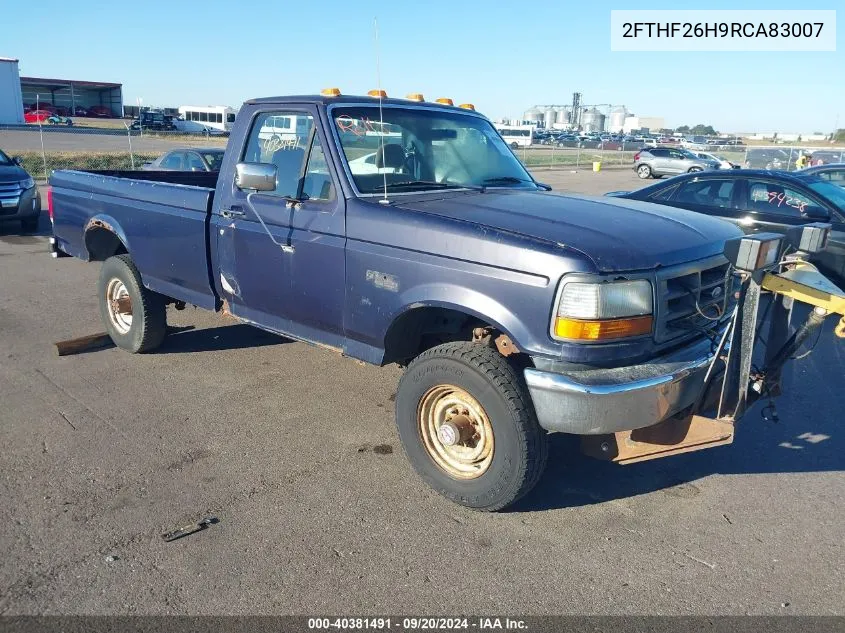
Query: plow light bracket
{"points": [[751, 253], [809, 238]]}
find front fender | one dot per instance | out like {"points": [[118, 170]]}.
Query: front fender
{"points": [[470, 302]]}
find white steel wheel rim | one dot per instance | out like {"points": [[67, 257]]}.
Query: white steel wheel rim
{"points": [[446, 405], [120, 319]]}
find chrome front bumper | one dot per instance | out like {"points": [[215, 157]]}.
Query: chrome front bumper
{"points": [[598, 401]]}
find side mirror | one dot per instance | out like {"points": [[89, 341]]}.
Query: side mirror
{"points": [[543, 186], [16, 160], [255, 176]]}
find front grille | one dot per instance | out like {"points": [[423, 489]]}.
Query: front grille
{"points": [[684, 290], [10, 190], [10, 193]]}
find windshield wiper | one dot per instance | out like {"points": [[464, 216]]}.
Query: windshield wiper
{"points": [[505, 179], [501, 180], [428, 184]]}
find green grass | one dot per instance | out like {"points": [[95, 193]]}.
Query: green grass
{"points": [[570, 157], [34, 164]]}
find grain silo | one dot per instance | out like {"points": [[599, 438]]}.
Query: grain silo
{"points": [[549, 117], [533, 116], [592, 120], [562, 115], [617, 119]]}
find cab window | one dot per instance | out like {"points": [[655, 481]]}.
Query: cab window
{"points": [[772, 197], [664, 194], [194, 163], [837, 177], [173, 161], [708, 193], [285, 140]]}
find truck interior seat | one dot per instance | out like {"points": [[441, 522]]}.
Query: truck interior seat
{"points": [[390, 155]]}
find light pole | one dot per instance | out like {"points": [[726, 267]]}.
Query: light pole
{"points": [[140, 119], [41, 132]]}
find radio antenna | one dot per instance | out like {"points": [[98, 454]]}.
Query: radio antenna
{"points": [[384, 200]]}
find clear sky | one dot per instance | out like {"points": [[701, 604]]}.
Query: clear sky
{"points": [[489, 53]]}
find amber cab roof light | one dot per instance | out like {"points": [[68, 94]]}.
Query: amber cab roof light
{"points": [[415, 96], [378, 94], [445, 101], [330, 92], [467, 106]]}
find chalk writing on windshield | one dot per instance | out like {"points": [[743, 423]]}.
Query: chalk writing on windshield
{"points": [[780, 199], [363, 126]]}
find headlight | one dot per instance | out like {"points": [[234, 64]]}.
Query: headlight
{"points": [[599, 311], [29, 183]]}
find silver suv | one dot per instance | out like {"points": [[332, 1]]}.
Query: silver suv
{"points": [[656, 162]]}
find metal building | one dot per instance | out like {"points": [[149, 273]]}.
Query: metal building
{"points": [[11, 108], [70, 94], [549, 118]]}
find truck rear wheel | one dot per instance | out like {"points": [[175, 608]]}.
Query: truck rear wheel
{"points": [[468, 426], [135, 318]]}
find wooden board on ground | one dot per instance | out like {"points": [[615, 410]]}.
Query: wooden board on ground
{"points": [[83, 344]]}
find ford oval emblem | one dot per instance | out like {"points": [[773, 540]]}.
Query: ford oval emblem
{"points": [[716, 292]]}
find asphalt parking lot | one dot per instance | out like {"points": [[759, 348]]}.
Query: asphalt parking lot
{"points": [[294, 450], [15, 141]]}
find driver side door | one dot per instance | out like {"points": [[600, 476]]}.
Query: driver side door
{"points": [[281, 252]]}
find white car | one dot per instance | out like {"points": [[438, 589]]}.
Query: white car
{"points": [[195, 127], [724, 163], [366, 164]]}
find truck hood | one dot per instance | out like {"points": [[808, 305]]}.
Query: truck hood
{"points": [[616, 234]]}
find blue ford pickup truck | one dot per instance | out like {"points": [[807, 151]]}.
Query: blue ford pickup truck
{"points": [[402, 231]]}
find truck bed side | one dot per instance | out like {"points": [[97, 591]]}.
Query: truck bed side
{"points": [[160, 218]]}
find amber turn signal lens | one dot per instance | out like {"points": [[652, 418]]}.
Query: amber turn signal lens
{"points": [[377, 94], [445, 101], [330, 92], [602, 330], [467, 106], [415, 96]]}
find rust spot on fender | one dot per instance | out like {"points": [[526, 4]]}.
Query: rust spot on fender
{"points": [[99, 224], [505, 345]]}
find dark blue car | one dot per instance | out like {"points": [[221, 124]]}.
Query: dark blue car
{"points": [[757, 200]]}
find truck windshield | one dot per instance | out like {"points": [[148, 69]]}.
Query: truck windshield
{"points": [[418, 149]]}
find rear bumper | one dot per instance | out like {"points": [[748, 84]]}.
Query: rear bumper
{"points": [[599, 401], [55, 251]]}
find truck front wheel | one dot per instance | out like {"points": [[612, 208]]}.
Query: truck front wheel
{"points": [[468, 426], [135, 318]]}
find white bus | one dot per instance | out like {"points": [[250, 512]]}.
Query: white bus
{"points": [[284, 132], [202, 118], [517, 135]]}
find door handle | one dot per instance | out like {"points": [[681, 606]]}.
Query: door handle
{"points": [[232, 213]]}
